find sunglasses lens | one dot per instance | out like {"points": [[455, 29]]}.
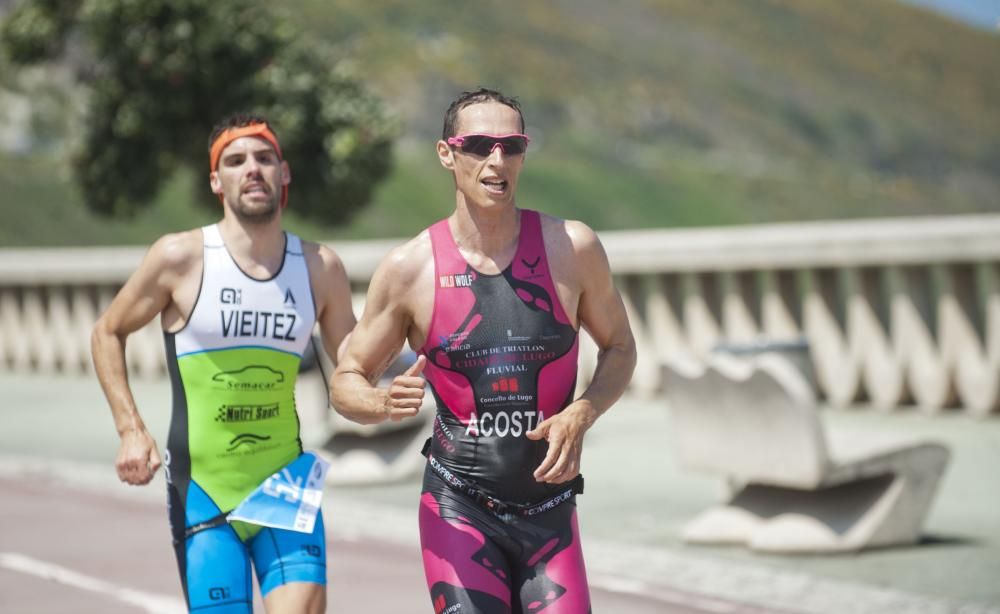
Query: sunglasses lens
{"points": [[514, 145], [483, 145], [478, 144]]}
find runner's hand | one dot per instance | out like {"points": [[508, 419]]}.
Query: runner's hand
{"points": [[564, 432], [406, 393], [138, 459]]}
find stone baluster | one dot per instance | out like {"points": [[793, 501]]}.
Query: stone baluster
{"points": [[741, 306], [970, 331], [916, 334], [634, 293], [664, 311], [825, 316], [781, 304], [13, 350], [702, 313], [883, 372], [36, 332], [83, 305]]}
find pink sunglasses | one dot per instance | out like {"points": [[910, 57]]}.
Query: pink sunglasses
{"points": [[484, 144]]}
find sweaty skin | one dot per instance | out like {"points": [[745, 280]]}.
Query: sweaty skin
{"points": [[212, 403], [490, 292], [502, 356]]}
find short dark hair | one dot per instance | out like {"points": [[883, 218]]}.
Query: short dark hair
{"points": [[237, 120], [470, 98]]}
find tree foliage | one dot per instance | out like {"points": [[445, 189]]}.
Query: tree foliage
{"points": [[160, 73]]}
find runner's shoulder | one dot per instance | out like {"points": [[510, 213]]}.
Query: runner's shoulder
{"points": [[404, 263], [178, 252], [322, 258], [572, 235]]}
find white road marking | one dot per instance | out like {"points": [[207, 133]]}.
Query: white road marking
{"points": [[667, 574], [148, 602]]}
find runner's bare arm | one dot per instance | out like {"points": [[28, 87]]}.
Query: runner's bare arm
{"points": [[144, 296], [332, 293], [602, 313], [374, 344]]}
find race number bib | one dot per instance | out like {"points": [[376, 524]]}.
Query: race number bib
{"points": [[289, 499]]}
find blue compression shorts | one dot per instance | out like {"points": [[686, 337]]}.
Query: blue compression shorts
{"points": [[215, 563]]}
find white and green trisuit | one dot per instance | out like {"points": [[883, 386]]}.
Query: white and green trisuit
{"points": [[233, 369]]}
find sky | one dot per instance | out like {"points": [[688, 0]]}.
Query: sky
{"points": [[982, 13]]}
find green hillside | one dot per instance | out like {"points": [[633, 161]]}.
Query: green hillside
{"points": [[650, 113]]}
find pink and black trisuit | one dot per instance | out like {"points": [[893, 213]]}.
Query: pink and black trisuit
{"points": [[501, 357]]}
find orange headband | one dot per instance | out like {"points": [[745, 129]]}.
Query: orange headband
{"points": [[231, 134]]}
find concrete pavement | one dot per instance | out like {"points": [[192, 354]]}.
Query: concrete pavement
{"points": [[636, 501], [64, 548]]}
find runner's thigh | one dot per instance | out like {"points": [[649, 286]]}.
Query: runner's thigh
{"points": [[466, 571], [282, 557], [551, 576], [217, 572]]}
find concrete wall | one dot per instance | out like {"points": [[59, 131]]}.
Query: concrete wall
{"points": [[895, 311]]}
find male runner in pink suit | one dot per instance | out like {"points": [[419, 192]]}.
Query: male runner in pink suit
{"points": [[493, 297]]}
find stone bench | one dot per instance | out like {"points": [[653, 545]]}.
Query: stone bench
{"points": [[797, 487]]}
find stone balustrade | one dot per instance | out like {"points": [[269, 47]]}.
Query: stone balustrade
{"points": [[896, 311]]}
